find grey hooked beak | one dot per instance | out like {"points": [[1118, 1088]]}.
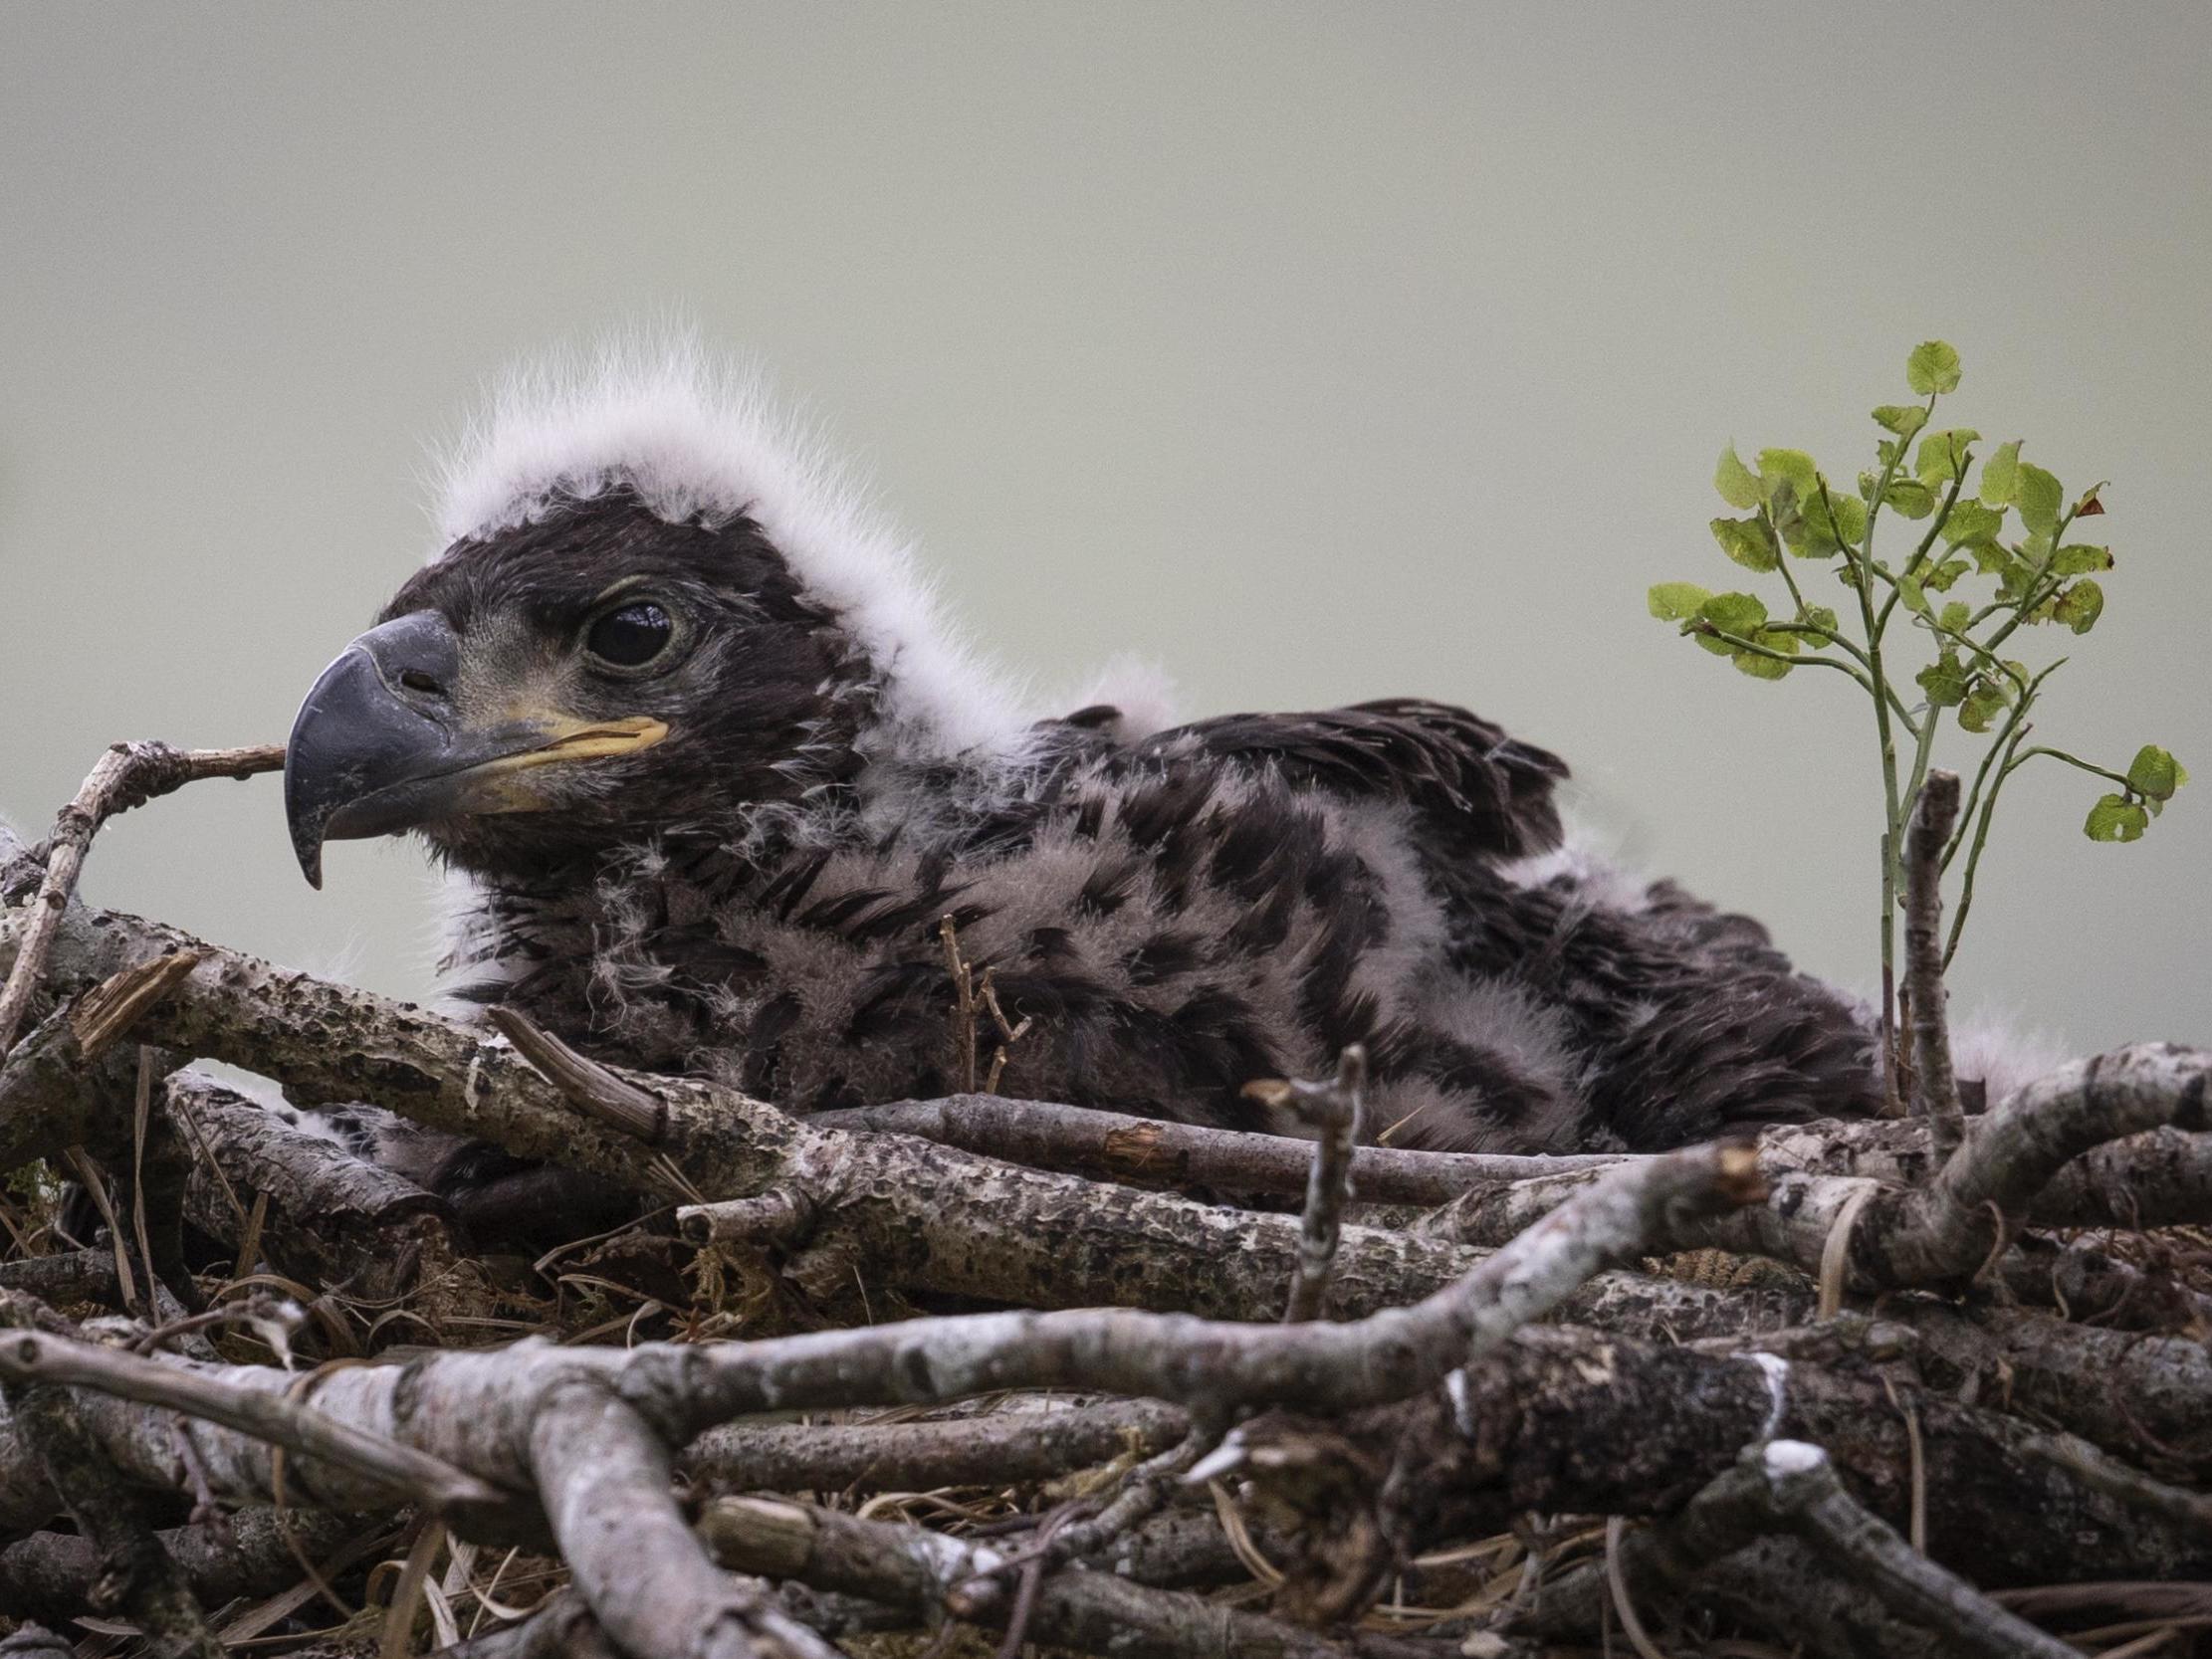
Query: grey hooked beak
{"points": [[378, 745]]}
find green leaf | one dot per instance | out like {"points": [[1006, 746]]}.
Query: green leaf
{"points": [[2079, 606], [1758, 667], [1933, 367], [1909, 497], [1792, 466], [1818, 616], [2115, 818], [1749, 542], [1969, 521], [2155, 772], [2001, 475], [2080, 559], [1985, 701], [1942, 454], [1742, 614], [1911, 591], [1904, 419], [1944, 575], [2039, 498], [1675, 601], [1737, 484], [1944, 681], [1955, 616], [1766, 668], [1832, 522]]}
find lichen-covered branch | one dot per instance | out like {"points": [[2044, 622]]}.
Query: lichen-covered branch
{"points": [[1147, 1151], [997, 1448], [603, 1477], [1795, 1484], [905, 1567], [442, 1428], [1964, 1211], [1935, 1088]]}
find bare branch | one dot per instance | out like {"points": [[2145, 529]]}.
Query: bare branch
{"points": [[1576, 1422], [1964, 1213], [246, 1400], [1948, 1227], [908, 1567], [1937, 1090], [1797, 1485], [137, 1576], [1147, 1151], [127, 775], [1332, 1109], [1003, 1447], [1319, 1365], [603, 1478], [587, 1084]]}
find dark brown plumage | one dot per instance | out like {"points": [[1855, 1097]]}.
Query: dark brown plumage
{"points": [[733, 857]]}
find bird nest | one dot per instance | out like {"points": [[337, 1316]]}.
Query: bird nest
{"points": [[965, 1374]]}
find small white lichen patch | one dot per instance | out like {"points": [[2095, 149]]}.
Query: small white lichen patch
{"points": [[1462, 1403], [1793, 1457], [1777, 1372]]}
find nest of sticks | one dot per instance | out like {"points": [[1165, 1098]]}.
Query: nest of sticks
{"points": [[974, 1375]]}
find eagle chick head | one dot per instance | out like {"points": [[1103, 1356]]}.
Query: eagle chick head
{"points": [[653, 608]]}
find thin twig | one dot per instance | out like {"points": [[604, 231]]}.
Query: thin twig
{"points": [[589, 1086], [963, 1002], [1115, 1146], [127, 775], [1332, 1109]]}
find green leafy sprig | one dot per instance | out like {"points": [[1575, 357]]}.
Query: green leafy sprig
{"points": [[1992, 556]]}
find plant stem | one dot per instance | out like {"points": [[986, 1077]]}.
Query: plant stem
{"points": [[1935, 529], [1989, 758], [2036, 594], [1739, 643], [1827, 636], [2074, 760], [1981, 839], [1789, 577], [1893, 819]]}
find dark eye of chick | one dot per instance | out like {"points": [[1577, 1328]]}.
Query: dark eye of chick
{"points": [[632, 636]]}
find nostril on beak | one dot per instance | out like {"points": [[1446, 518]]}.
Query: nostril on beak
{"points": [[417, 681]]}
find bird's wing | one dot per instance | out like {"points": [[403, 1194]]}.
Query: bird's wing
{"points": [[1470, 783]]}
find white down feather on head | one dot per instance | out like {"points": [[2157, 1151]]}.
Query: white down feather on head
{"points": [[698, 438]]}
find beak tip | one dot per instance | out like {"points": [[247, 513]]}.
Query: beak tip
{"points": [[310, 855]]}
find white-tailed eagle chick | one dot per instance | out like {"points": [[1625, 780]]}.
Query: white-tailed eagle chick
{"points": [[685, 719]]}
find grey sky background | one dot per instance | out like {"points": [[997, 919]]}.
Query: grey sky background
{"points": [[1317, 352]]}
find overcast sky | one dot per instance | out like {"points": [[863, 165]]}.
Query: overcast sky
{"points": [[1319, 353]]}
